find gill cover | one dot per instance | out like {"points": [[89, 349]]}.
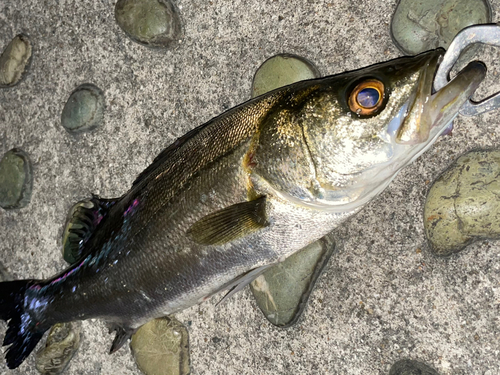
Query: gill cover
{"points": [[340, 140]]}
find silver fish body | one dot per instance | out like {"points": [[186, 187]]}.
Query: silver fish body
{"points": [[238, 194]]}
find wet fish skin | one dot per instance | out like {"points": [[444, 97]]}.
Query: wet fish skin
{"points": [[240, 193]]}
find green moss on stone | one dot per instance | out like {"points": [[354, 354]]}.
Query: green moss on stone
{"points": [[84, 109], [16, 179], [161, 347], [463, 205], [154, 23], [283, 290], [282, 70], [411, 367], [423, 25], [14, 61], [62, 343]]}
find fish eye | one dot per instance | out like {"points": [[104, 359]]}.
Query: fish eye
{"points": [[367, 97]]}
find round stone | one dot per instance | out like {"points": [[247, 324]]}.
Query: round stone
{"points": [[419, 26], [161, 347], [411, 367], [282, 70], [14, 61], [463, 204], [16, 180], [282, 291], [62, 343], [84, 109], [154, 23]]}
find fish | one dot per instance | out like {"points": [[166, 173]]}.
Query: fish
{"points": [[237, 195]]}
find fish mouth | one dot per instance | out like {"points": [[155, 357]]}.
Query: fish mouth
{"points": [[416, 126], [428, 113]]}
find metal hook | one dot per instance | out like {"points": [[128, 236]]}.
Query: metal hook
{"points": [[485, 34]]}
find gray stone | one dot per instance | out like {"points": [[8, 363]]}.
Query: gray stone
{"points": [[154, 23], [62, 343], [419, 26], [411, 367], [14, 61], [16, 180], [282, 291], [84, 109], [463, 205], [161, 347]]}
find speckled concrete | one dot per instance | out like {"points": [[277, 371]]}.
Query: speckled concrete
{"points": [[383, 297]]}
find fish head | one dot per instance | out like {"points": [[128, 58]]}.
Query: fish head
{"points": [[360, 128]]}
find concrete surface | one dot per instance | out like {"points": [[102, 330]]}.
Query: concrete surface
{"points": [[383, 297]]}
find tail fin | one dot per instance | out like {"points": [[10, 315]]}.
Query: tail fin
{"points": [[22, 333]]}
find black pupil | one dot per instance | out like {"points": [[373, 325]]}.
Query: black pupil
{"points": [[368, 97]]}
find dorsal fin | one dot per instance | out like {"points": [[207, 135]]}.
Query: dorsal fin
{"points": [[165, 154], [220, 133], [81, 222]]}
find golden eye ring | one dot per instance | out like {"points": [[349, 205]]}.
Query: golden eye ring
{"points": [[367, 97]]}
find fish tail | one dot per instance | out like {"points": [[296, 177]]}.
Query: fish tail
{"points": [[24, 331]]}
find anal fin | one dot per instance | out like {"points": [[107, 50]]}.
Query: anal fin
{"points": [[230, 223], [242, 281]]}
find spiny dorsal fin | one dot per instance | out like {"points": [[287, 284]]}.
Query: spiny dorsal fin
{"points": [[216, 137], [230, 223], [166, 153], [82, 220]]}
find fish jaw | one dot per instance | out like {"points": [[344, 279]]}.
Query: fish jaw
{"points": [[431, 113], [414, 125], [436, 111], [420, 122]]}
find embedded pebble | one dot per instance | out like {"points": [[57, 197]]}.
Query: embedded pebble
{"points": [[282, 70], [283, 290], [16, 180], [62, 343], [84, 109], [419, 26], [463, 204], [411, 367], [14, 61], [154, 23], [161, 347]]}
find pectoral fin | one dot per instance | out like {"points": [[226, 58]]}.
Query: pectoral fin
{"points": [[228, 224]]}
